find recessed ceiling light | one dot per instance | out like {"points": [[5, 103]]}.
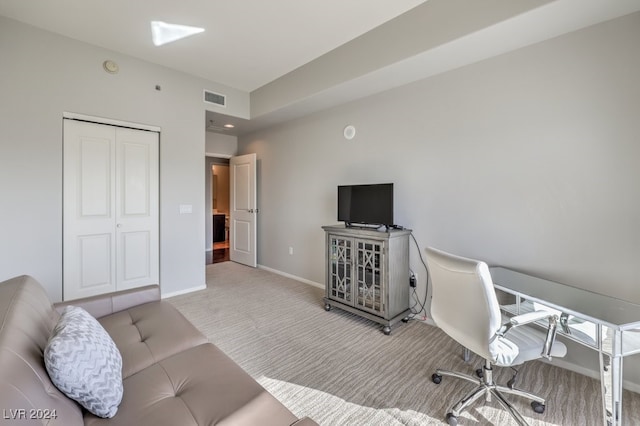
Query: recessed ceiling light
{"points": [[163, 32], [229, 126]]}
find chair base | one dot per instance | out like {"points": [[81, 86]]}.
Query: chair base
{"points": [[486, 386]]}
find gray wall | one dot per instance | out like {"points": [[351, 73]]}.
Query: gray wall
{"points": [[219, 145], [44, 75], [528, 160]]}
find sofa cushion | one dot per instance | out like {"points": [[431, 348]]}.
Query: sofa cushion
{"points": [[149, 333], [84, 363], [200, 386]]}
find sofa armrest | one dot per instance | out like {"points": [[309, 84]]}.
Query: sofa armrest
{"points": [[109, 303]]}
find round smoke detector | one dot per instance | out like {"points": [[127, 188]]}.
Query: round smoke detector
{"points": [[110, 66], [349, 132]]}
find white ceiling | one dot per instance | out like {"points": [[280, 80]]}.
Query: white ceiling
{"points": [[251, 45], [246, 43]]}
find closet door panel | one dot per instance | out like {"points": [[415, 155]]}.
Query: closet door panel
{"points": [[110, 218], [137, 208], [89, 254]]}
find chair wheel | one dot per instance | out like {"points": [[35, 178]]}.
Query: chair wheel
{"points": [[538, 407], [479, 373], [436, 378], [452, 420]]}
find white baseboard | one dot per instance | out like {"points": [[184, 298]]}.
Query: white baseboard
{"points": [[179, 292], [294, 277]]}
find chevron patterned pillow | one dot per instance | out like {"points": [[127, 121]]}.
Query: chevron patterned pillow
{"points": [[84, 363]]}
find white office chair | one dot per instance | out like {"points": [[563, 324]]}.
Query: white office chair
{"points": [[464, 305]]}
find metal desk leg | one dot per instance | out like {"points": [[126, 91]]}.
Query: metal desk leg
{"points": [[611, 381], [466, 355]]}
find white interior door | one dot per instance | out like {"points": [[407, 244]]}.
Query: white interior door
{"points": [[243, 210], [110, 209], [136, 202], [89, 241]]}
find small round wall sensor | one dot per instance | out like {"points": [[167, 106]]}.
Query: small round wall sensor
{"points": [[349, 132], [110, 66]]}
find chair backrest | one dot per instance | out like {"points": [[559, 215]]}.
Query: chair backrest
{"points": [[464, 303]]}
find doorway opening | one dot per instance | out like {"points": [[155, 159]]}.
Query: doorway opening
{"points": [[217, 228]]}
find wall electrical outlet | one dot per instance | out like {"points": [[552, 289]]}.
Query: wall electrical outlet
{"points": [[413, 280], [291, 250]]}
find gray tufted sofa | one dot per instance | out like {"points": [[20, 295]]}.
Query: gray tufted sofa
{"points": [[171, 374]]}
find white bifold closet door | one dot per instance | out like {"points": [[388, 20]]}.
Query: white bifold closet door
{"points": [[110, 208]]}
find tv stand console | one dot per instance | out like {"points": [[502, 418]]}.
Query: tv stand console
{"points": [[367, 273]]}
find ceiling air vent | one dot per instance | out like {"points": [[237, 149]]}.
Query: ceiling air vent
{"points": [[215, 98]]}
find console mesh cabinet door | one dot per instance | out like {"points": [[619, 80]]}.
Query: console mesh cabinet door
{"points": [[340, 269], [368, 273], [369, 276]]}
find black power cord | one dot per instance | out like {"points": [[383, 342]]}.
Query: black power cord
{"points": [[417, 301]]}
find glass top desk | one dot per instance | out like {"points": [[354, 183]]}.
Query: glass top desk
{"points": [[608, 325]]}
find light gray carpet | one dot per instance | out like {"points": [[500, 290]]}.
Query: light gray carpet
{"points": [[340, 369]]}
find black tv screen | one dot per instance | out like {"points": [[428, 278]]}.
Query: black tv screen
{"points": [[366, 204]]}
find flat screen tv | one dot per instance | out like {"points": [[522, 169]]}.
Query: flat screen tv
{"points": [[366, 204]]}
